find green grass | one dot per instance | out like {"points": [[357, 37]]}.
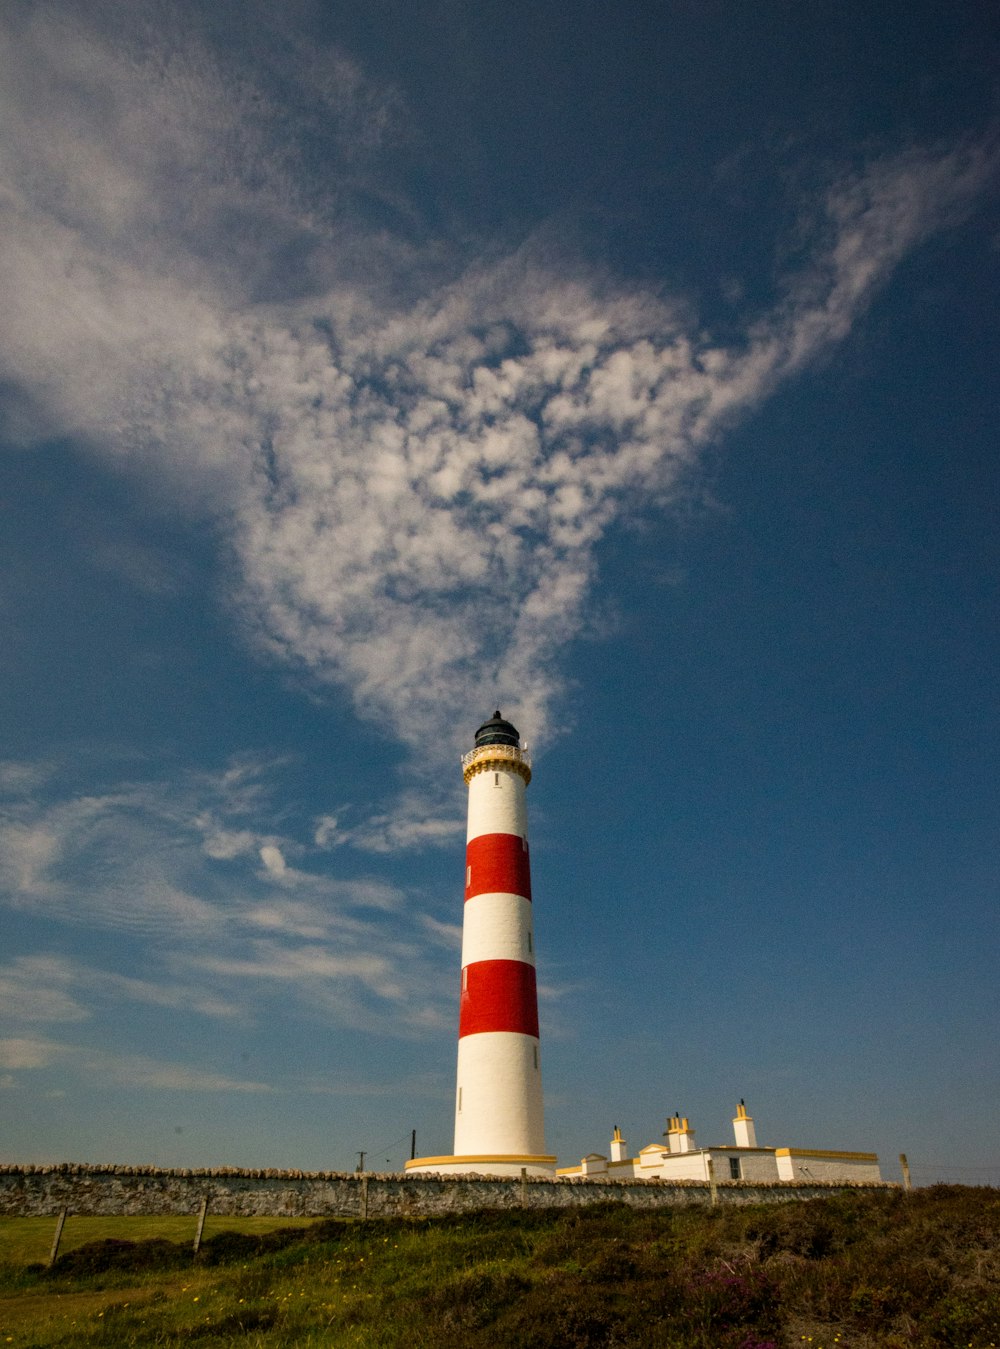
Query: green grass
{"points": [[24, 1241], [850, 1271]]}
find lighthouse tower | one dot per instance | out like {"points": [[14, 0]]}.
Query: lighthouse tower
{"points": [[499, 1127]]}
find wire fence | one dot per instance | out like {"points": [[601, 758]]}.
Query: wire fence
{"points": [[923, 1173], [393, 1155]]}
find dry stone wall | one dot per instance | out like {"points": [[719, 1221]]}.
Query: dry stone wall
{"points": [[41, 1191]]}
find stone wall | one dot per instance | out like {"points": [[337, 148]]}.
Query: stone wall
{"points": [[40, 1191]]}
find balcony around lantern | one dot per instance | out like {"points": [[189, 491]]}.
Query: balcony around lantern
{"points": [[497, 752]]}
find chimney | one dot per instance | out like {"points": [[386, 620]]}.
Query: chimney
{"points": [[746, 1135], [680, 1135], [619, 1148]]}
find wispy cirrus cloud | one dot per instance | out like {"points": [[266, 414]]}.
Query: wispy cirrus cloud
{"points": [[237, 929], [193, 853], [105, 860], [410, 481], [417, 820], [133, 1070], [288, 964], [22, 1052], [17, 777], [49, 988], [39, 988]]}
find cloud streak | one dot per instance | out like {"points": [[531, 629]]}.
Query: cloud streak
{"points": [[221, 932], [132, 1070], [411, 492]]}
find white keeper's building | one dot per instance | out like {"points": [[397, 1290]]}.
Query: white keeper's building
{"points": [[681, 1159]]}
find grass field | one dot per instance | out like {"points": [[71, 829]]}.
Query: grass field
{"points": [[854, 1270], [25, 1241]]}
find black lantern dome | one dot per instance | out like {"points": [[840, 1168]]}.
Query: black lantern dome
{"points": [[496, 731]]}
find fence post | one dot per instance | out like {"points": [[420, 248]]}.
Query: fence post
{"points": [[203, 1213], [906, 1170], [60, 1224]]}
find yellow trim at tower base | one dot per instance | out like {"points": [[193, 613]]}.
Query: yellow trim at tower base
{"points": [[509, 1159], [479, 1163]]}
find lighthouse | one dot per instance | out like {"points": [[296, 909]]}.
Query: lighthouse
{"points": [[499, 1125]]}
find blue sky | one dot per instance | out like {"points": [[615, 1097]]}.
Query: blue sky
{"points": [[363, 368]]}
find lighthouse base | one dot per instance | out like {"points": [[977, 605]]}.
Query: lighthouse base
{"points": [[509, 1165]]}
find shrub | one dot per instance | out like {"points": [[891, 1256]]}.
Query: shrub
{"points": [[101, 1257]]}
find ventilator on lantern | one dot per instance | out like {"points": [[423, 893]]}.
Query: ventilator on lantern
{"points": [[499, 1128]]}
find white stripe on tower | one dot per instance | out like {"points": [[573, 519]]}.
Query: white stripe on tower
{"points": [[498, 1110]]}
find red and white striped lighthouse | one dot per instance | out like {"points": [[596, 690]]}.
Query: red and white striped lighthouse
{"points": [[499, 1127]]}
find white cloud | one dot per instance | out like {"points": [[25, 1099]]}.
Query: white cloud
{"points": [[20, 1053], [110, 860], [175, 993], [132, 862], [36, 988], [26, 853], [104, 1068], [18, 778], [138, 1070], [223, 845], [412, 493], [55, 988], [448, 934], [415, 821], [290, 919], [326, 833], [311, 962], [274, 862], [136, 857]]}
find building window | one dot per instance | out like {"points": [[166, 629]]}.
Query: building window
{"points": [[734, 1169]]}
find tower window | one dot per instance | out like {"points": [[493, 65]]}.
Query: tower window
{"points": [[535, 1050], [496, 779], [460, 1100]]}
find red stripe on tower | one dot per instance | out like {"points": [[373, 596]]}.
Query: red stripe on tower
{"points": [[497, 864], [498, 995]]}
